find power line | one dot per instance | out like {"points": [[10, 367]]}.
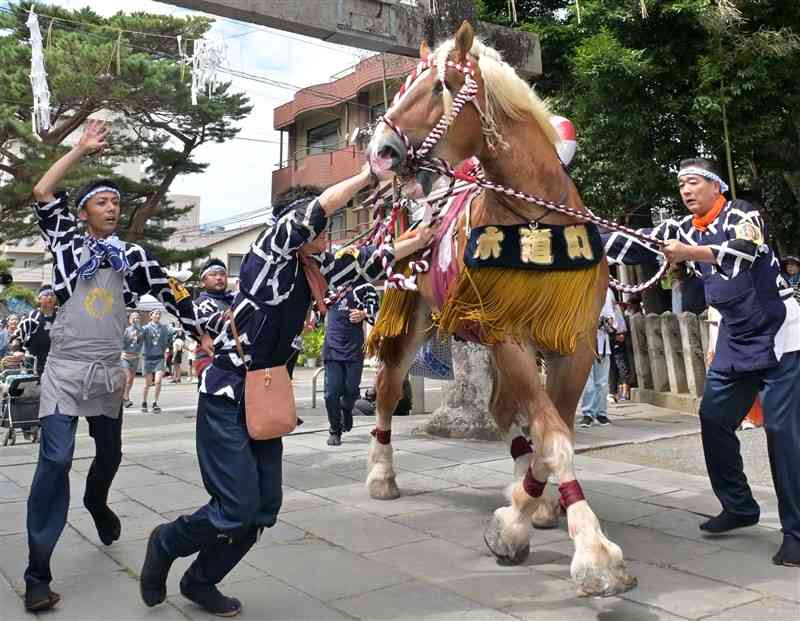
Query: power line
{"points": [[230, 71]]}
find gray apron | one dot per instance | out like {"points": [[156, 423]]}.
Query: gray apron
{"points": [[83, 376]]}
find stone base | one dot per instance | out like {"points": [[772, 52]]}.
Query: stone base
{"points": [[681, 402], [464, 412]]}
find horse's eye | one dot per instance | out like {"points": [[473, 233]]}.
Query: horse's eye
{"points": [[438, 87]]}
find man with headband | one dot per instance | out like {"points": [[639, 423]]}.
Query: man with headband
{"points": [[758, 347], [214, 298], [95, 276]]}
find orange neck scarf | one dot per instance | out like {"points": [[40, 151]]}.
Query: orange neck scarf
{"points": [[701, 222]]}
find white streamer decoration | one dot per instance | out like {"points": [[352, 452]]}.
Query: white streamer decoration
{"points": [[207, 58], [41, 92]]}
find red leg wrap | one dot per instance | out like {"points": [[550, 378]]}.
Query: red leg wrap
{"points": [[383, 437], [520, 446], [571, 493], [532, 487]]}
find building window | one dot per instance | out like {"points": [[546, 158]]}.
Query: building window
{"points": [[235, 264], [323, 138], [338, 224]]}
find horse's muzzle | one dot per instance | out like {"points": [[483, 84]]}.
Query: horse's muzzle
{"points": [[386, 154]]}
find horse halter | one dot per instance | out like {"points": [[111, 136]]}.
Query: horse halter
{"points": [[415, 156]]}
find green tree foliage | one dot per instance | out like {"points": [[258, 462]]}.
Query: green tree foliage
{"points": [[92, 66], [646, 92]]}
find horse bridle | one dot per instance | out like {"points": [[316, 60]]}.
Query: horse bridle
{"points": [[419, 158]]}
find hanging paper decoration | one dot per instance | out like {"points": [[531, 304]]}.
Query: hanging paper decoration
{"points": [[567, 145], [41, 92], [207, 58]]}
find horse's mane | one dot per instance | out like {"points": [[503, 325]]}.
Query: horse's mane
{"points": [[505, 91]]}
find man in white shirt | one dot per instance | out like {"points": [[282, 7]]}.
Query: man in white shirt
{"points": [[594, 401]]}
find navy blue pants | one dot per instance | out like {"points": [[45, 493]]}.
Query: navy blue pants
{"points": [[49, 498], [726, 401], [342, 381], [243, 478]]}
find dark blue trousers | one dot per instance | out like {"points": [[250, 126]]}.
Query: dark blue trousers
{"points": [[342, 381], [49, 498], [243, 478], [726, 401]]}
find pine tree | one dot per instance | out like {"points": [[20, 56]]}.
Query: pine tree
{"points": [[93, 65]]}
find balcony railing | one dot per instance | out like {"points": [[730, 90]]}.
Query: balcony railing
{"points": [[320, 169]]}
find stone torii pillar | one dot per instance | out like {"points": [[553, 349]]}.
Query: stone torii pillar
{"points": [[392, 26]]}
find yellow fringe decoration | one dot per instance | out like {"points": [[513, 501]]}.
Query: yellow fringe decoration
{"points": [[554, 308], [393, 322]]}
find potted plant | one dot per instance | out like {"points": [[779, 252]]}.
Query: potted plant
{"points": [[312, 346]]}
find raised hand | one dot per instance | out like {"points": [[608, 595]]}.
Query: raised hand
{"points": [[94, 136]]}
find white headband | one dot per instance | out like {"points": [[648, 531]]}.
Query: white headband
{"points": [[212, 269], [696, 170], [97, 190]]}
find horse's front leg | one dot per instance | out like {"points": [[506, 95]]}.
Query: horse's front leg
{"points": [[381, 477]]}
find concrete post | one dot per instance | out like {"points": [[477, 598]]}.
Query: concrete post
{"points": [[655, 352], [693, 353], [464, 413], [644, 376], [673, 353], [417, 394]]}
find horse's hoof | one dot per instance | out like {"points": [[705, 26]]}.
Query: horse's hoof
{"points": [[506, 553], [383, 489], [604, 582]]}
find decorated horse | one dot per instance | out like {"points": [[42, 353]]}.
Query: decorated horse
{"points": [[514, 267]]}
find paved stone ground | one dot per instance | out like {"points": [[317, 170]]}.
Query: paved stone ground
{"points": [[336, 554]]}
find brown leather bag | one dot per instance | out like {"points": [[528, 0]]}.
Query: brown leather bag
{"points": [[268, 398]]}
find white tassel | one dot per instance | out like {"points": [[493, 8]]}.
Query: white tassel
{"points": [[207, 58], [41, 92]]}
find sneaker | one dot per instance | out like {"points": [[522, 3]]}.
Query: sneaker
{"points": [[586, 421], [156, 408], [144, 407], [603, 420], [210, 599], [40, 598], [155, 569], [128, 403], [335, 439]]}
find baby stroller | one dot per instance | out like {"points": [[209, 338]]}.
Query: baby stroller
{"points": [[19, 405]]}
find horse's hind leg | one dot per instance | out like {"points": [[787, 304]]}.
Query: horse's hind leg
{"points": [[597, 566], [381, 478], [504, 407]]}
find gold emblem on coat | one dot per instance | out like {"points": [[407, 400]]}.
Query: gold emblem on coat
{"points": [[489, 243], [749, 232], [578, 245], [347, 250], [536, 246], [179, 292], [99, 303]]}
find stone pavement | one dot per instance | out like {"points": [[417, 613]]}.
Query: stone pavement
{"points": [[337, 554]]}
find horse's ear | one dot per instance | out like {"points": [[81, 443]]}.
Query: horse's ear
{"points": [[424, 50], [463, 41]]}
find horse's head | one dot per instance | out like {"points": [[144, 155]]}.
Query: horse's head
{"points": [[427, 97]]}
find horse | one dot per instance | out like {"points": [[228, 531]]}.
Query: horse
{"points": [[515, 311]]}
